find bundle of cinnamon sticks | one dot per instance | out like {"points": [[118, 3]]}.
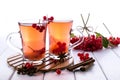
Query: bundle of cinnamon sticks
{"points": [[83, 66]]}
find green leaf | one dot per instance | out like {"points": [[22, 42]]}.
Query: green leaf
{"points": [[105, 41], [72, 35], [98, 34]]}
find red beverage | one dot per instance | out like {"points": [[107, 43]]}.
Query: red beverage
{"points": [[33, 41], [59, 35]]}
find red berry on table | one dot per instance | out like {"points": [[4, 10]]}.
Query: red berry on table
{"points": [[79, 54], [58, 71], [87, 55], [28, 65]]}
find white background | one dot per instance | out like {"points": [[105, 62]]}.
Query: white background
{"points": [[107, 11]]}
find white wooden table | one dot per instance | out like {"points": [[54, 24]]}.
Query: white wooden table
{"points": [[106, 66]]}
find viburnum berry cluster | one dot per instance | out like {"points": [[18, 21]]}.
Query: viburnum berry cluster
{"points": [[83, 56], [96, 42], [42, 25], [39, 27], [90, 43], [48, 19], [114, 41], [61, 47]]}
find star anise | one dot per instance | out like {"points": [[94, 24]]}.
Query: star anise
{"points": [[62, 56]]}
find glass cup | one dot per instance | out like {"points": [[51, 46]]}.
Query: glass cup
{"points": [[59, 38], [33, 37]]}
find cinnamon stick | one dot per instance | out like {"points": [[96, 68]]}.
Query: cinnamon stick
{"points": [[86, 67], [90, 60]]}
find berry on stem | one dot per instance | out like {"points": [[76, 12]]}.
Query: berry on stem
{"points": [[51, 18], [41, 26], [44, 17], [83, 56], [34, 25]]}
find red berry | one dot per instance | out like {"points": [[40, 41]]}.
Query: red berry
{"points": [[44, 18], [79, 54], [58, 43], [37, 27], [58, 71], [34, 25], [28, 65], [87, 55], [51, 18], [42, 27], [64, 44], [42, 50]]}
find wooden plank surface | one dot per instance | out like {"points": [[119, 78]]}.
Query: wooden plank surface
{"points": [[117, 51], [5, 69], [109, 62], [3, 44], [38, 76], [65, 75]]}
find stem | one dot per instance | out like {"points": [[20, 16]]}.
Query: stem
{"points": [[39, 21], [31, 48], [83, 20], [108, 29], [88, 18]]}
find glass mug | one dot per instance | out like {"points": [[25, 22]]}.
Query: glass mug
{"points": [[59, 38], [33, 37]]}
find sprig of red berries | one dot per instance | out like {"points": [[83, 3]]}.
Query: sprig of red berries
{"points": [[27, 68], [91, 43], [83, 56], [95, 42], [114, 41], [48, 19], [42, 25]]}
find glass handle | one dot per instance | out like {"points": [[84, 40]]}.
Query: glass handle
{"points": [[80, 41], [10, 43]]}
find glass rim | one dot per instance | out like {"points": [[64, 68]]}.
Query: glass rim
{"points": [[62, 20], [33, 20], [29, 24]]}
